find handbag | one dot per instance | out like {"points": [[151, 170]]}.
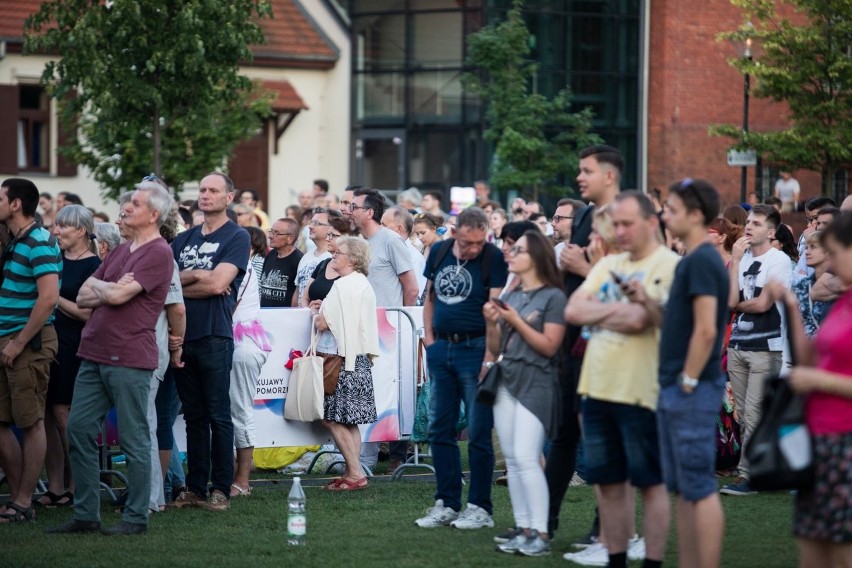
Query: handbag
{"points": [[305, 399], [486, 391], [331, 365], [780, 451]]}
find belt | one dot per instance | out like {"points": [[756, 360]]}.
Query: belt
{"points": [[459, 337]]}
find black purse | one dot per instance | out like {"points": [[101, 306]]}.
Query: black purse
{"points": [[780, 451], [486, 391]]}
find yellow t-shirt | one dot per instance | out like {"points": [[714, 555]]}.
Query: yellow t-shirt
{"points": [[621, 367]]}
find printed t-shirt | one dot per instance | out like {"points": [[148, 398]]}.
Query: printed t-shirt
{"points": [[620, 367], [278, 279], [229, 244], [459, 293], [760, 332]]}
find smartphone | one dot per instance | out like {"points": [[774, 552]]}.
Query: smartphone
{"points": [[618, 278], [500, 303]]}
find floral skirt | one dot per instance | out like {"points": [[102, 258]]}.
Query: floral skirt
{"points": [[353, 401], [825, 512]]}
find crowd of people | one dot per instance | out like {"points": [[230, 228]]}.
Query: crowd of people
{"points": [[616, 326]]}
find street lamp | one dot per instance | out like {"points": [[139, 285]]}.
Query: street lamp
{"points": [[746, 87]]}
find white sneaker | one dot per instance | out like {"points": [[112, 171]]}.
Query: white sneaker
{"points": [[473, 517], [636, 548], [594, 555], [437, 516]]}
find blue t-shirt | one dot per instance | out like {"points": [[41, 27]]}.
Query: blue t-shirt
{"points": [[231, 244], [700, 273], [25, 260], [459, 291]]}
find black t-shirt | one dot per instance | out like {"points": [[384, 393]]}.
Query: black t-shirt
{"points": [[74, 274], [700, 273], [459, 291], [321, 286], [278, 279]]}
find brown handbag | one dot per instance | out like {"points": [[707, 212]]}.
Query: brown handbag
{"points": [[331, 367]]}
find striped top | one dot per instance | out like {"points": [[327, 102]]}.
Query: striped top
{"points": [[27, 259]]}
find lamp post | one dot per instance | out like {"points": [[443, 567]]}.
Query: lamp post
{"points": [[746, 89]]}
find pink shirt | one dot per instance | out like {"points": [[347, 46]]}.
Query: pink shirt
{"points": [[826, 413]]}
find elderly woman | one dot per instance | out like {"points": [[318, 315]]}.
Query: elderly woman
{"points": [[73, 229], [347, 318], [823, 514], [245, 215], [106, 238]]}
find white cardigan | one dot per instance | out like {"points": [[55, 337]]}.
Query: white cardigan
{"points": [[350, 312]]}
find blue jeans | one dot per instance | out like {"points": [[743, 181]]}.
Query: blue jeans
{"points": [[203, 385], [454, 371]]}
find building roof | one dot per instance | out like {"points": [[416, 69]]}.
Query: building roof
{"points": [[293, 38], [286, 98]]}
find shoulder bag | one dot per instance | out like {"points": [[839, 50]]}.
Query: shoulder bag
{"points": [[780, 451], [304, 400]]}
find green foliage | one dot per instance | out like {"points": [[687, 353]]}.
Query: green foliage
{"points": [[535, 139], [150, 85], [808, 66]]}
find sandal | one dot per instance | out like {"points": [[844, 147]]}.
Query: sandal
{"points": [[333, 485], [17, 514], [350, 485], [237, 491], [55, 500]]}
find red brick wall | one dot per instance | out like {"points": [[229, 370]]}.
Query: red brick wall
{"points": [[691, 86]]}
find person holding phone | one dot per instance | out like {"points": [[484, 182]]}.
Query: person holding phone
{"points": [[528, 321]]}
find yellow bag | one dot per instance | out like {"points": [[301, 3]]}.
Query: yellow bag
{"points": [[276, 458]]}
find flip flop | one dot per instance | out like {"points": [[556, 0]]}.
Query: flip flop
{"points": [[350, 485], [333, 485], [240, 492]]}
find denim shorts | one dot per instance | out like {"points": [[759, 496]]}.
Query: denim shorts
{"points": [[620, 444], [687, 427]]}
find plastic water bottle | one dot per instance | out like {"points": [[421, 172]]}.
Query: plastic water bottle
{"points": [[296, 520]]}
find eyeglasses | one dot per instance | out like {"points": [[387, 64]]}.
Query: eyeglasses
{"points": [[353, 207], [812, 219], [274, 233], [316, 223], [338, 253], [331, 236], [516, 250], [559, 218]]}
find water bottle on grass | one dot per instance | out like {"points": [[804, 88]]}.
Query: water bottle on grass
{"points": [[296, 523]]}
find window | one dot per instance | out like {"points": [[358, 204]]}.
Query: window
{"points": [[33, 129]]}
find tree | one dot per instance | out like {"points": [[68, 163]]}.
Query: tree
{"points": [[535, 139], [150, 85], [809, 66]]}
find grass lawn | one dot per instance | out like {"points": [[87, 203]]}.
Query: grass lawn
{"points": [[366, 528]]}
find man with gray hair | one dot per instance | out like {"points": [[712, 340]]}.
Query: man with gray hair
{"points": [[463, 273], [119, 351], [409, 199], [401, 222]]}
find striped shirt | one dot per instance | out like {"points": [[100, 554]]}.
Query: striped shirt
{"points": [[26, 260]]}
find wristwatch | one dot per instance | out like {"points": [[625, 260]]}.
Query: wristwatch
{"points": [[687, 383]]}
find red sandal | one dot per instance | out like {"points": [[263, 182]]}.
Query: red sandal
{"points": [[350, 485]]}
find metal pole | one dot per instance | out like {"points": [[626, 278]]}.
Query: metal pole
{"points": [[744, 175]]}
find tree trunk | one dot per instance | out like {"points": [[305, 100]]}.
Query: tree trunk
{"points": [[156, 139], [828, 180]]}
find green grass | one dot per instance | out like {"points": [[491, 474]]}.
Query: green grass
{"points": [[366, 528]]}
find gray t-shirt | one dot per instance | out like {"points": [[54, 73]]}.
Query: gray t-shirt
{"points": [[173, 296], [531, 377], [389, 258]]}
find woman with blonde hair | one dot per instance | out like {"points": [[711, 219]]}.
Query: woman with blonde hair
{"points": [[347, 320]]}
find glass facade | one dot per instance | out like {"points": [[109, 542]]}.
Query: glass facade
{"points": [[408, 63]]}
